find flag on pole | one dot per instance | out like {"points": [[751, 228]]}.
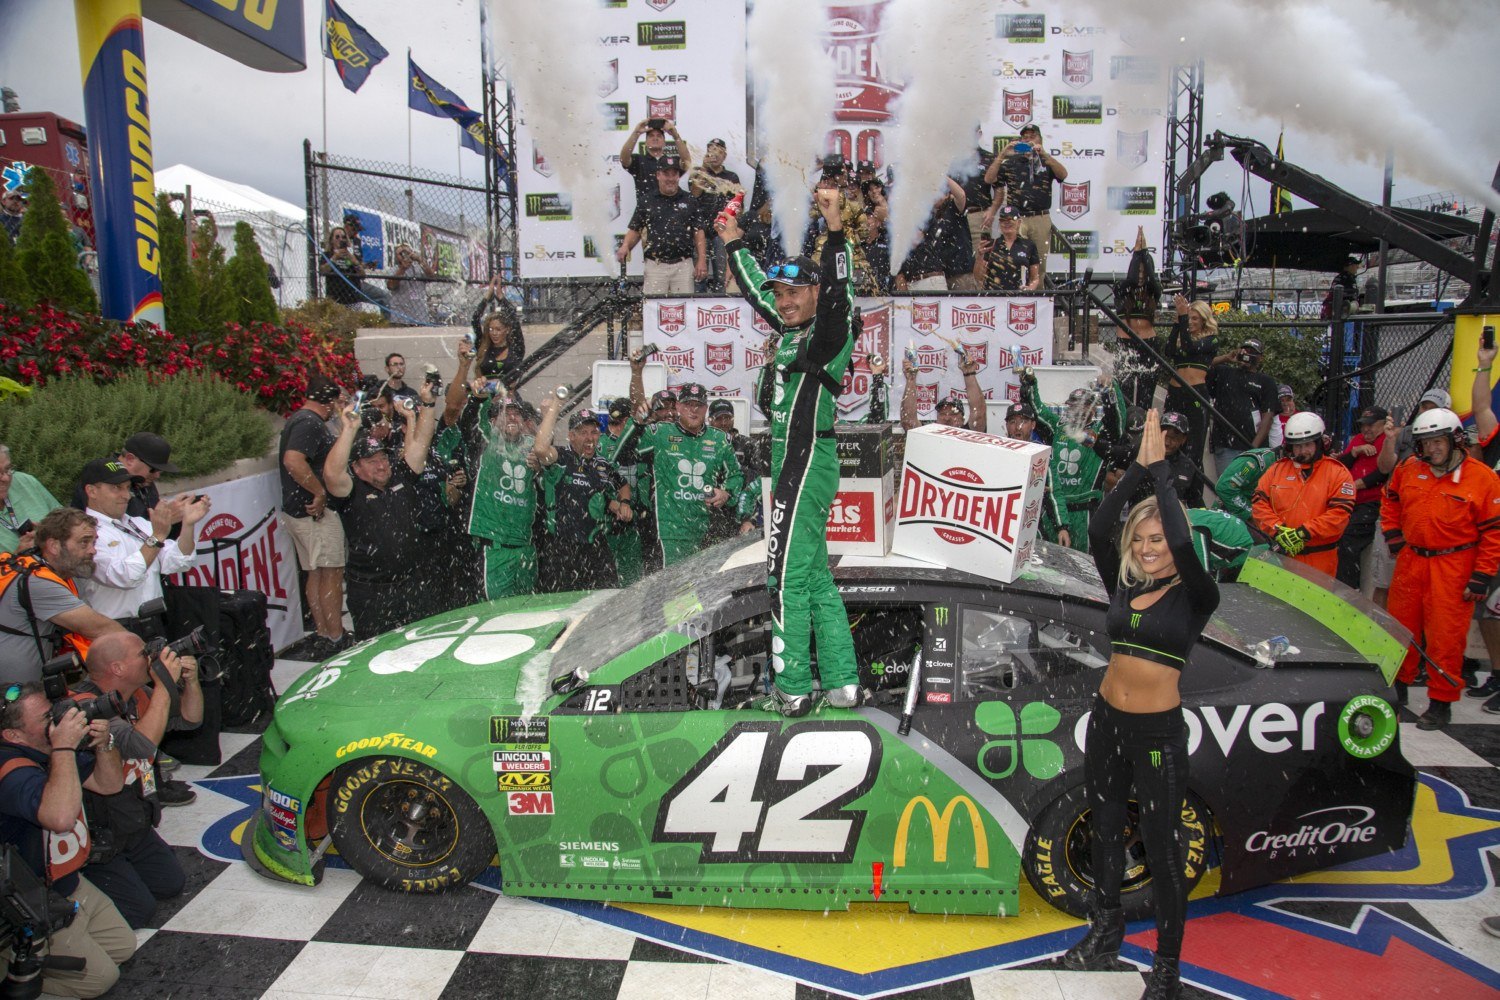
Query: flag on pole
{"points": [[1281, 199], [430, 97], [354, 51]]}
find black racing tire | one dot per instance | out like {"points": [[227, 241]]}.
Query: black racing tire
{"points": [[407, 826], [1057, 855]]}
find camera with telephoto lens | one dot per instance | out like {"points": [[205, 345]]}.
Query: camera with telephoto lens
{"points": [[196, 644], [30, 913]]}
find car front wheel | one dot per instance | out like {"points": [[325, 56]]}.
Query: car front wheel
{"points": [[407, 826], [1058, 858]]}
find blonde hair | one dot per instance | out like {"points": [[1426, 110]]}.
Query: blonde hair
{"points": [[1132, 573], [1206, 314]]}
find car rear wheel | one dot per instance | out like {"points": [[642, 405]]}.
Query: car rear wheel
{"points": [[1058, 858], [407, 826]]}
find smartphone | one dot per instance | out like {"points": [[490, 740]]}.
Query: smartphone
{"points": [[656, 124], [1023, 147], [1488, 338]]}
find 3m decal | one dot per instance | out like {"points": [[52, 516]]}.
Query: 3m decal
{"points": [[529, 803], [765, 795]]}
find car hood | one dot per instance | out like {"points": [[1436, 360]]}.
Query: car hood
{"points": [[498, 652]]}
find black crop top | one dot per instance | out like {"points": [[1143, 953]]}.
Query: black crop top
{"points": [[1165, 632], [1190, 353]]}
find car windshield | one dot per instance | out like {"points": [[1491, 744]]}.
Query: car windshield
{"points": [[681, 598]]}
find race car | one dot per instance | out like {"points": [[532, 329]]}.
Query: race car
{"points": [[620, 746]]}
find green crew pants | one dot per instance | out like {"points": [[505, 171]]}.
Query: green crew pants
{"points": [[675, 549], [626, 546], [509, 571]]}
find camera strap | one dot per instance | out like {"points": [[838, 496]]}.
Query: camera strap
{"points": [[164, 679], [23, 567]]}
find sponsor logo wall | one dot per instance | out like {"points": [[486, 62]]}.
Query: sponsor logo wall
{"points": [[718, 342], [677, 59]]}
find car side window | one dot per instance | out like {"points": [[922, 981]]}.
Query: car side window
{"points": [[1001, 650]]}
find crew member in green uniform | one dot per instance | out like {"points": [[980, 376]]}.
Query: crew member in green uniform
{"points": [[504, 503], [1080, 444], [693, 467], [1237, 484], [625, 538], [1221, 540], [811, 308]]}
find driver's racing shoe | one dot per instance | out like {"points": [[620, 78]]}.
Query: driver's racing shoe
{"points": [[848, 696], [1164, 982], [1097, 951], [791, 705]]}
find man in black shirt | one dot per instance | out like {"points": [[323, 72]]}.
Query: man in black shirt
{"points": [[642, 166], [586, 496], [395, 378], [1028, 172], [1246, 397], [317, 533], [713, 185], [382, 508], [1009, 263], [943, 248], [676, 249]]}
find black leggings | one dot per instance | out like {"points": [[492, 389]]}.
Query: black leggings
{"points": [[1146, 751]]}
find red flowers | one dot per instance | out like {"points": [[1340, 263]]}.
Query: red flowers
{"points": [[268, 362]]}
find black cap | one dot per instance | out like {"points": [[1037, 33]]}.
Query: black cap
{"points": [[719, 406], [104, 470], [153, 450], [951, 401], [692, 393], [718, 142], [1008, 212], [1253, 346], [664, 398], [619, 409], [1175, 422], [1020, 410], [365, 447], [799, 271], [580, 418], [528, 411], [835, 163], [1373, 414], [670, 162], [322, 389]]}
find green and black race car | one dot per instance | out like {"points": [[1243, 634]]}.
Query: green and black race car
{"points": [[618, 745]]}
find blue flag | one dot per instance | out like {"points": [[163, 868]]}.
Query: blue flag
{"points": [[427, 95], [354, 50]]}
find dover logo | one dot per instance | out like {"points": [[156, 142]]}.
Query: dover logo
{"points": [[1075, 199], [959, 507], [661, 107], [719, 319], [926, 317], [677, 359], [539, 162], [1017, 107], [671, 318], [851, 38], [1078, 68], [718, 358], [1130, 147], [973, 317], [1020, 317]]}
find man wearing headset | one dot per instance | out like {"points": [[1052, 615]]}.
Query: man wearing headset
{"points": [[1303, 501]]}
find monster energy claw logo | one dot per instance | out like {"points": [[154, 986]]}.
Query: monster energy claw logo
{"points": [[1135, 620], [1155, 758], [942, 616]]}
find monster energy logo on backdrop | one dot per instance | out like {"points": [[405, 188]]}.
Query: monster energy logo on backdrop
{"points": [[942, 616], [1155, 758], [1135, 620]]}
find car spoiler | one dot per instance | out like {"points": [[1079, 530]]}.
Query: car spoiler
{"points": [[1368, 628]]}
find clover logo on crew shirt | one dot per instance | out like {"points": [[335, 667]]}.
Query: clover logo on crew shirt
{"points": [[512, 476], [1070, 456], [1018, 745], [690, 474]]}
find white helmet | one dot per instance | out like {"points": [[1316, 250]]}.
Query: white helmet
{"points": [[1436, 423], [1304, 426]]}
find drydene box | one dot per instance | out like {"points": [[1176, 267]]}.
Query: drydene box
{"points": [[970, 501]]}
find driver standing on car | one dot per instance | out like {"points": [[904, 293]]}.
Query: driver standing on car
{"points": [[1161, 598], [811, 308]]}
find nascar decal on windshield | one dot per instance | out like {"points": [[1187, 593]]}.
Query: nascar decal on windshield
{"points": [[761, 794]]}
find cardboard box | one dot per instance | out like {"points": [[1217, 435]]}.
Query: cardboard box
{"points": [[863, 512], [970, 501]]}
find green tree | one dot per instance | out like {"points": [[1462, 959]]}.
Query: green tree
{"points": [[249, 280], [179, 286], [215, 300], [14, 288], [45, 250]]}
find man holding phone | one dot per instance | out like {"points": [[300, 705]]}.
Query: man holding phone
{"points": [[643, 166]]}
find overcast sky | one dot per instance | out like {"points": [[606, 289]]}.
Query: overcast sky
{"points": [[233, 122]]}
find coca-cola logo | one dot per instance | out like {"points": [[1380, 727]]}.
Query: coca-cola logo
{"points": [[973, 317], [851, 39], [719, 319], [671, 319], [926, 317], [222, 526], [1020, 317], [718, 358], [959, 507]]}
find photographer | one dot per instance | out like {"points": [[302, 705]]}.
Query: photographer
{"points": [[1027, 172], [39, 598], [43, 771], [379, 504], [130, 863]]}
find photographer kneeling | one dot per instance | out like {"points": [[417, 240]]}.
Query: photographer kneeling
{"points": [[131, 864], [43, 772]]}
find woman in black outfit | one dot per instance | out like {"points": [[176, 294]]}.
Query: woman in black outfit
{"points": [[1137, 298], [1161, 597], [1192, 343]]}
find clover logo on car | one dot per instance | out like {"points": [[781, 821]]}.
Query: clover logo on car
{"points": [[1021, 744]]}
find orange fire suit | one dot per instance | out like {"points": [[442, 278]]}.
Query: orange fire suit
{"points": [[1317, 499], [1445, 534]]}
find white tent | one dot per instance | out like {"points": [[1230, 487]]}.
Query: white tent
{"points": [[280, 226]]}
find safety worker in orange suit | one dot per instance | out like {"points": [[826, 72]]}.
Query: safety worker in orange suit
{"points": [[1441, 518], [1303, 501]]}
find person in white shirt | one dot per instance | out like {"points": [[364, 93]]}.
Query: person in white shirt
{"points": [[1287, 403], [132, 554]]}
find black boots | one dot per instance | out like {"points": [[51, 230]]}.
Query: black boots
{"points": [[1097, 950], [1437, 716], [1164, 981]]}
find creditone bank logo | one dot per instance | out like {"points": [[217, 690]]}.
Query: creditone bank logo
{"points": [[940, 824], [1020, 740], [1325, 830]]}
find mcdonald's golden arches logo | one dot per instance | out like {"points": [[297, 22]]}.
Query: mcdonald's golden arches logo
{"points": [[940, 823]]}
